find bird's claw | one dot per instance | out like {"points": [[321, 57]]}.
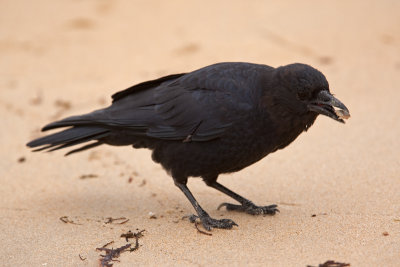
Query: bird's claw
{"points": [[192, 218], [210, 223], [250, 208]]}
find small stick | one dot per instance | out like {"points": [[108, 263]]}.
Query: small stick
{"points": [[82, 258], [200, 231], [65, 219]]}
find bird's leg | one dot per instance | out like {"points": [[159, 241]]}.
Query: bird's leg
{"points": [[246, 205], [205, 219]]}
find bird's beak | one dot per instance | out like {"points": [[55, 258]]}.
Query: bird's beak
{"points": [[325, 104]]}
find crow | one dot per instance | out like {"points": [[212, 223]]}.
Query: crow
{"points": [[217, 119]]}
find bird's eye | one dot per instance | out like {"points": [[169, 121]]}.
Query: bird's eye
{"points": [[302, 95]]}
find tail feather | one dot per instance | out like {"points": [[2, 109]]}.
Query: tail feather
{"points": [[79, 141], [80, 120], [98, 143], [69, 137]]}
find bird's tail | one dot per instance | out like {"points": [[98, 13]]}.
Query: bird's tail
{"points": [[79, 132]]}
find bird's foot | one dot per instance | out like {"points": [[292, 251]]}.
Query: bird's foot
{"points": [[209, 223], [250, 208]]}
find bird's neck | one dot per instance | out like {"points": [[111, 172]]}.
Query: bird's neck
{"points": [[290, 127]]}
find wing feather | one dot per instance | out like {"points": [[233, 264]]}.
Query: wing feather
{"points": [[207, 101]]}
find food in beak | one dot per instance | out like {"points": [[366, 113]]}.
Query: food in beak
{"points": [[342, 114]]}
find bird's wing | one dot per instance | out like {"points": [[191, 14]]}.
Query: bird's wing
{"points": [[197, 106], [143, 86], [202, 105]]}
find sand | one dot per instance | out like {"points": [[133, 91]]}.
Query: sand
{"points": [[337, 186]]}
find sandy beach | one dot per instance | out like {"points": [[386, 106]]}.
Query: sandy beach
{"points": [[337, 186]]}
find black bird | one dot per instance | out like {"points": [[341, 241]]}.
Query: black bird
{"points": [[218, 119]]}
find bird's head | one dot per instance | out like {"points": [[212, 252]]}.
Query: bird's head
{"points": [[310, 89]]}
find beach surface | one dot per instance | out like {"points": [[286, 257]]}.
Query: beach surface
{"points": [[337, 186]]}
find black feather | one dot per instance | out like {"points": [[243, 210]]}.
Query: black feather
{"points": [[144, 85], [218, 119]]}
